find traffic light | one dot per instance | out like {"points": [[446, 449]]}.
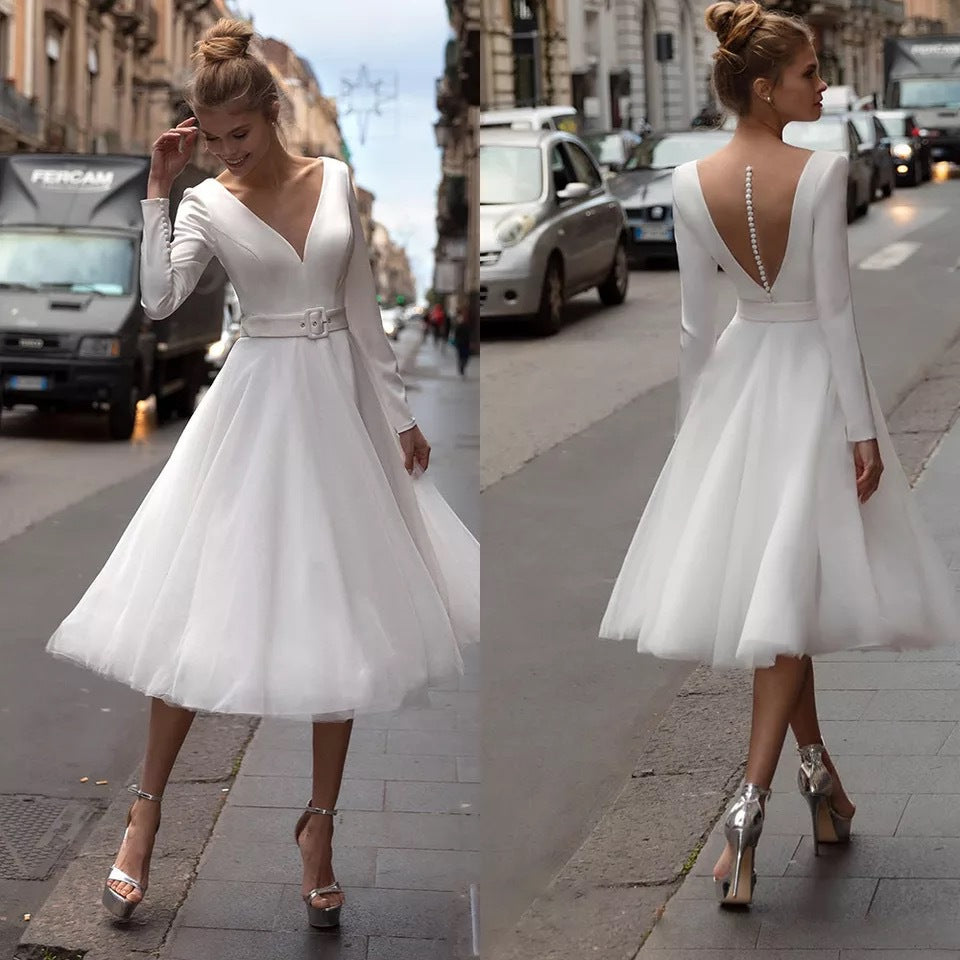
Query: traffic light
{"points": [[401, 299]]}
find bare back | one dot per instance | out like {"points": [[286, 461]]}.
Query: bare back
{"points": [[775, 175]]}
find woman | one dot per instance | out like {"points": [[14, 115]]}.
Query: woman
{"points": [[285, 562], [769, 537]]}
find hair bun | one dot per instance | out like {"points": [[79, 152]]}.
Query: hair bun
{"points": [[733, 22], [225, 40]]}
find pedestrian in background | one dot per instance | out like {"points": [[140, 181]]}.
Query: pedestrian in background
{"points": [[769, 537], [462, 338], [291, 559]]}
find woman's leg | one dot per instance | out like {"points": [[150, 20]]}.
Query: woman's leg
{"points": [[167, 731], [330, 743], [806, 728], [775, 693]]}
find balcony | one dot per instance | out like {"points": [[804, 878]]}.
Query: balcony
{"points": [[827, 13], [19, 112], [129, 14], [449, 102]]}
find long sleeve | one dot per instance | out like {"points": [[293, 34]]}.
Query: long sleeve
{"points": [[366, 327], [831, 271], [171, 267], [698, 302]]}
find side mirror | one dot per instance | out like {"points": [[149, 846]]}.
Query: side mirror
{"points": [[573, 191]]}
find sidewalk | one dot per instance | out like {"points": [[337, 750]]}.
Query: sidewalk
{"points": [[405, 842]]}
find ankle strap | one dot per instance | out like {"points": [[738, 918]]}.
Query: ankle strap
{"points": [[752, 790], [133, 788], [323, 810]]}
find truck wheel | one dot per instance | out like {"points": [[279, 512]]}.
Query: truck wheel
{"points": [[123, 414], [186, 399], [613, 290], [549, 316]]}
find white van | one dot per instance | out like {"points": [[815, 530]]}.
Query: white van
{"points": [[533, 118]]}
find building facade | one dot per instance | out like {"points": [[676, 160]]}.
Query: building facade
{"points": [[931, 16]]}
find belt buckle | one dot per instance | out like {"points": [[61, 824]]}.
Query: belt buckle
{"points": [[317, 323]]}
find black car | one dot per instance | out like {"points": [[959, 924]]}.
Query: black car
{"points": [[875, 145], [910, 149]]}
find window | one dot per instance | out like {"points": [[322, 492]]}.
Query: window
{"points": [[526, 54], [4, 46], [561, 170], [53, 50], [583, 167]]}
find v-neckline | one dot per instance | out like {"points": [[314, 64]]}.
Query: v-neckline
{"points": [[790, 231], [306, 240]]}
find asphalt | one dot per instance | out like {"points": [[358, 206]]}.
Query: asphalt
{"points": [[225, 873], [640, 884]]}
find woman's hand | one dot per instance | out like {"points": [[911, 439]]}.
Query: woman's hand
{"points": [[171, 152], [869, 466], [415, 448]]}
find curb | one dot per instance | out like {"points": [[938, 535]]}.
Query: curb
{"points": [[71, 924], [606, 899]]}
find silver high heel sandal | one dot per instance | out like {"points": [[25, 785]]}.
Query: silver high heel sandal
{"points": [[816, 786], [119, 906], [742, 828], [320, 917]]}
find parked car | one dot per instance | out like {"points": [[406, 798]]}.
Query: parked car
{"points": [[645, 188], [837, 132], [611, 148], [533, 118], [875, 145], [910, 149], [549, 227]]}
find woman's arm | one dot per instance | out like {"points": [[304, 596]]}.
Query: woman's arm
{"points": [[363, 319], [171, 265], [831, 272], [698, 300]]}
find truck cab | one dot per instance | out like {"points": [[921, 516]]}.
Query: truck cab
{"points": [[72, 332]]}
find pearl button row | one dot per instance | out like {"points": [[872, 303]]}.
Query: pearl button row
{"points": [[753, 233]]}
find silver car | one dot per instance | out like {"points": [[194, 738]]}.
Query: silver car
{"points": [[549, 227]]}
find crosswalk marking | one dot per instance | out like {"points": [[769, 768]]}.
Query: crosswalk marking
{"points": [[890, 256]]}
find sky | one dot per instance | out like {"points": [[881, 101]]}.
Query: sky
{"points": [[401, 43]]}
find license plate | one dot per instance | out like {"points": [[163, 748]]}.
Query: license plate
{"points": [[653, 231], [28, 383]]}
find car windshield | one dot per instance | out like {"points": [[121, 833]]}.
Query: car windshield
{"points": [[895, 124], [606, 147], [76, 262], [928, 93], [510, 174], [819, 135], [662, 153]]}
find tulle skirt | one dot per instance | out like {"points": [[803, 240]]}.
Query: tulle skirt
{"points": [[284, 563], [754, 543]]}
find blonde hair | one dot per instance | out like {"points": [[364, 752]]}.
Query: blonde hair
{"points": [[228, 73], [754, 42]]}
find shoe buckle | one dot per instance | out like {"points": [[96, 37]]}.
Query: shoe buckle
{"points": [[316, 323]]}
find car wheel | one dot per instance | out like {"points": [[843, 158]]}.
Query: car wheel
{"points": [[874, 187], [613, 290], [888, 186], [851, 204], [918, 174], [549, 316], [122, 416]]}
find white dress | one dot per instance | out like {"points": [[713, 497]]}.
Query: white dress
{"points": [[284, 562], [753, 542]]}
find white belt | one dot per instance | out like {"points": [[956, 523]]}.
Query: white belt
{"points": [[314, 324], [784, 311]]}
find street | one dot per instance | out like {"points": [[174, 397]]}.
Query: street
{"points": [[576, 427], [69, 493]]}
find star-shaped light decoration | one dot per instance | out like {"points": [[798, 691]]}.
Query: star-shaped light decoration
{"points": [[364, 96]]}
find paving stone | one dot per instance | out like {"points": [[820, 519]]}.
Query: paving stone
{"points": [[899, 933], [451, 870], [898, 955], [468, 769], [432, 718], [399, 948], [885, 737], [890, 676], [940, 774], [431, 743], [843, 704], [913, 705], [916, 898], [931, 815], [774, 854], [432, 797], [392, 767], [192, 943], [230, 905], [943, 654], [879, 857], [300, 737], [951, 747], [648, 953], [696, 924], [877, 814], [827, 898], [371, 911], [240, 859], [294, 792]]}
